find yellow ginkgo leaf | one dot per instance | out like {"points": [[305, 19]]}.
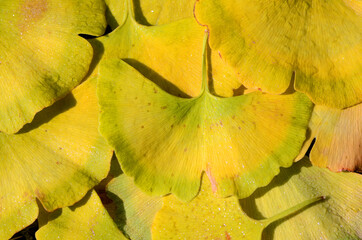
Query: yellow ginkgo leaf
{"points": [[337, 217], [168, 55], [266, 41], [151, 12], [165, 142], [87, 219], [210, 217], [138, 208], [338, 143], [56, 159], [41, 55]]}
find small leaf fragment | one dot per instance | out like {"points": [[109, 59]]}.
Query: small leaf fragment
{"points": [[338, 143], [138, 207], [87, 219]]}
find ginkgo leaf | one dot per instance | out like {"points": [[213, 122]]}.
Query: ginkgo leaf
{"points": [[168, 54], [337, 217], [151, 12], [87, 219], [138, 208], [165, 142], [338, 143], [210, 217], [41, 55], [266, 41], [56, 159]]}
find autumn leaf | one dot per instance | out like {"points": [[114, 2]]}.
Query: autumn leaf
{"points": [[267, 42], [56, 159], [338, 144], [166, 142]]}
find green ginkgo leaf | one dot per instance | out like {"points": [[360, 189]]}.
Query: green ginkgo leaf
{"points": [[338, 217], [268, 41], [87, 219], [166, 142], [152, 12], [55, 159], [42, 58], [168, 54], [338, 144], [136, 207], [210, 217]]}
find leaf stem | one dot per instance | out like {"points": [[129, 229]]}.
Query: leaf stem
{"points": [[292, 210], [205, 83]]}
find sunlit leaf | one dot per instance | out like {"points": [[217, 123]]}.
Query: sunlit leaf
{"points": [[168, 55], [337, 217], [266, 41], [338, 143], [41, 55], [56, 159], [150, 12], [87, 219], [138, 208], [209, 217], [165, 142]]}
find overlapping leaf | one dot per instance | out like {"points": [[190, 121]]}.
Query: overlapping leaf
{"points": [[41, 55], [266, 41], [209, 217], [338, 143], [56, 159], [166, 142], [150, 12], [87, 220], [338, 217], [168, 54]]}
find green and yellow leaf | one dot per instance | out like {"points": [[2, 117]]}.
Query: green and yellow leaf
{"points": [[138, 208], [55, 159], [267, 41], [42, 58], [166, 142], [87, 219]]}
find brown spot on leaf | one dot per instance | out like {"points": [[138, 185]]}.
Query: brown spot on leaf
{"points": [[155, 90], [227, 236], [164, 107], [32, 11], [142, 126]]}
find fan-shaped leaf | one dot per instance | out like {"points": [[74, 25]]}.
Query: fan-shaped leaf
{"points": [[56, 159], [41, 55], [266, 41]]}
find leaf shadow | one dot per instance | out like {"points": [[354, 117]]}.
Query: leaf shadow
{"points": [[249, 205], [48, 113], [152, 75]]}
